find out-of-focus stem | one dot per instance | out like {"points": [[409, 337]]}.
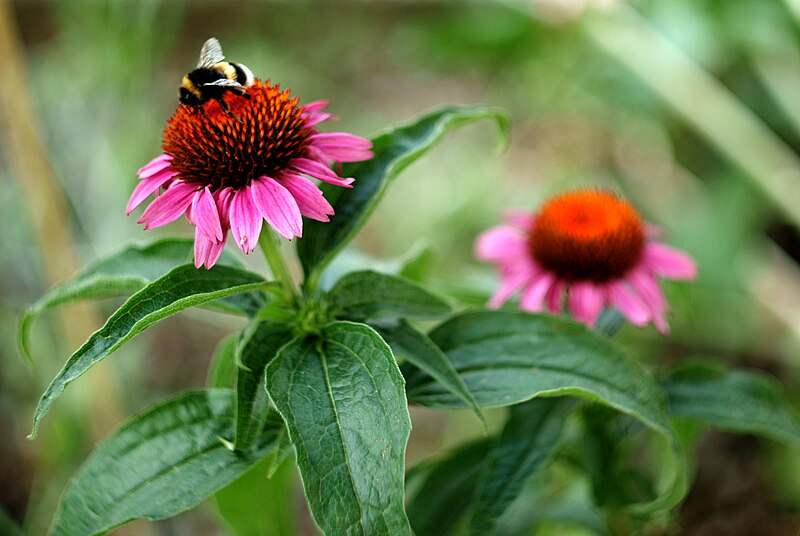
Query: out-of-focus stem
{"points": [[703, 102], [43, 198], [276, 264]]}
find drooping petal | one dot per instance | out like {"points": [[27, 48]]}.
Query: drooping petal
{"points": [[586, 301], [533, 297], [223, 198], [146, 187], [500, 244], [342, 147], [309, 197], [206, 250], [628, 304], [668, 262], [319, 171], [648, 290], [205, 215], [168, 206], [510, 283], [155, 165], [277, 206], [245, 219], [555, 297]]}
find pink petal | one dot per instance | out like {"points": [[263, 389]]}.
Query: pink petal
{"points": [[312, 113], [533, 298], [245, 220], [205, 214], [519, 219], [309, 198], [168, 206], [630, 306], [146, 187], [319, 171], [206, 251], [342, 147], [155, 165], [315, 106], [555, 297], [277, 206], [510, 283], [501, 243], [650, 293], [224, 198], [586, 302], [668, 262], [317, 118]]}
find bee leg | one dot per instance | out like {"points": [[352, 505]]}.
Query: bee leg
{"points": [[227, 110]]}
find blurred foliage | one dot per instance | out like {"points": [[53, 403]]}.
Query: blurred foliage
{"points": [[104, 74]]}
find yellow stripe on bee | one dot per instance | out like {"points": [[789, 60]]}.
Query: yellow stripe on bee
{"points": [[225, 68], [189, 85]]}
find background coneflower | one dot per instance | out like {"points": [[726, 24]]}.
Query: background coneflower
{"points": [[589, 248], [230, 171]]}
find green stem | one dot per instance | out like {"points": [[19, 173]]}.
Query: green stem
{"points": [[273, 255]]}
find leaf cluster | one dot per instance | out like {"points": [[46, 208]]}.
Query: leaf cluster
{"points": [[326, 378]]}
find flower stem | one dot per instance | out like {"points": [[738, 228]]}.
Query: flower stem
{"points": [[276, 265]]}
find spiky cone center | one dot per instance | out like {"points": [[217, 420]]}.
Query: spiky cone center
{"points": [[588, 235], [210, 147]]}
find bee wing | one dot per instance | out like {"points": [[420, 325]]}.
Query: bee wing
{"points": [[211, 53], [224, 82]]}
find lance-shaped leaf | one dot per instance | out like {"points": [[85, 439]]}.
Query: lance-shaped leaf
{"points": [[179, 289], [526, 443], [421, 352], [163, 461], [394, 150], [341, 396], [369, 295], [744, 401], [259, 345], [507, 357], [126, 272]]}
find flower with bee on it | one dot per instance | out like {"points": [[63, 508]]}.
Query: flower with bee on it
{"points": [[236, 164], [587, 249]]}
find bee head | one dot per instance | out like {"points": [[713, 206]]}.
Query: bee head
{"points": [[188, 98]]}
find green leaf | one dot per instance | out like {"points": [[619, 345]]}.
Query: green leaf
{"points": [[341, 396], [526, 443], [222, 368], [257, 348], [367, 294], [163, 461], [744, 401], [394, 150], [417, 348], [507, 357], [180, 289], [446, 493], [126, 272]]}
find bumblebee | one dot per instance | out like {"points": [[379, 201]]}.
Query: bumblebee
{"points": [[213, 77]]}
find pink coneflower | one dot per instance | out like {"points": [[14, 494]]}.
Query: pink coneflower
{"points": [[589, 248], [230, 171]]}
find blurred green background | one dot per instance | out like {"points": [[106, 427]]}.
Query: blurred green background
{"points": [[691, 108]]}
